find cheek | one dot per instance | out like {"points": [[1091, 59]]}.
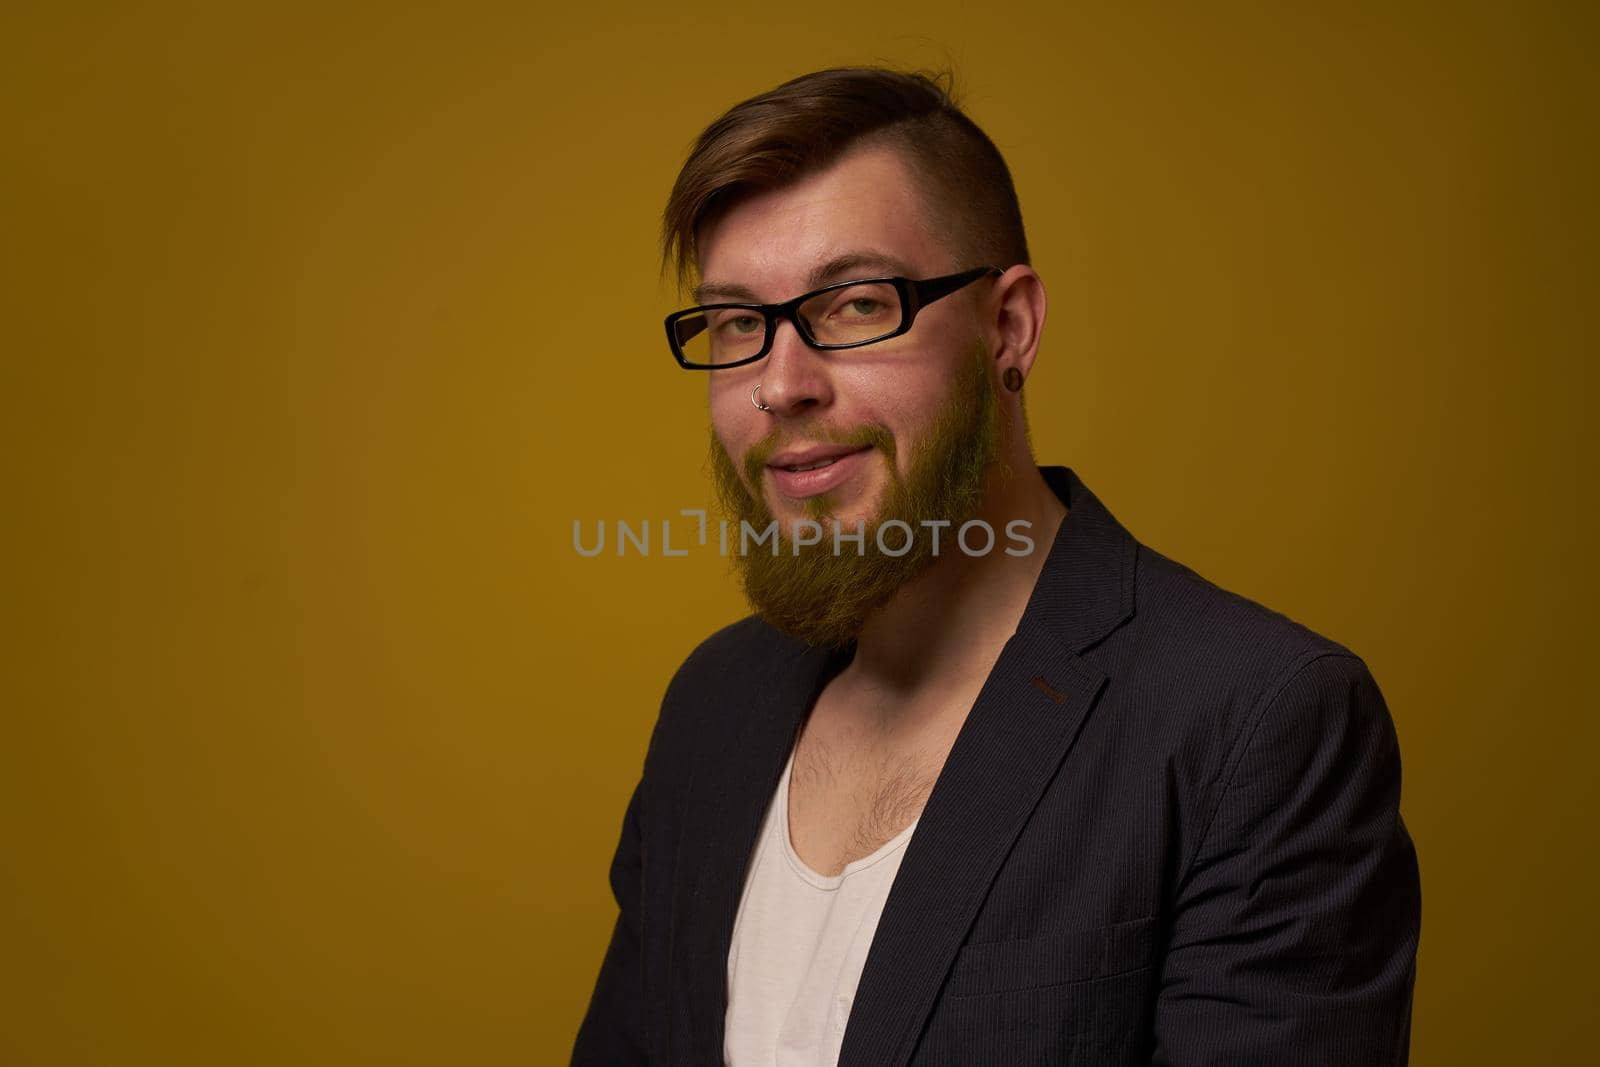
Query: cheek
{"points": [[906, 408], [737, 427]]}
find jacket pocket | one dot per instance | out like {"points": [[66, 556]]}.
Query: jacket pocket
{"points": [[1060, 958]]}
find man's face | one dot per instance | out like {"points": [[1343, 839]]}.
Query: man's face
{"points": [[906, 429], [870, 410]]}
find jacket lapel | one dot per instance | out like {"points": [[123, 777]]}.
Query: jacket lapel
{"points": [[1014, 740], [1019, 731], [1009, 748]]}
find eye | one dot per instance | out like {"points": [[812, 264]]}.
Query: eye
{"points": [[740, 325], [864, 305]]}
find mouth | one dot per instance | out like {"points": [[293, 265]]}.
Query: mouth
{"points": [[802, 473]]}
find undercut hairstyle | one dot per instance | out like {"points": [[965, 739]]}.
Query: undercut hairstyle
{"points": [[809, 122]]}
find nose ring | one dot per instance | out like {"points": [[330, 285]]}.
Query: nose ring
{"points": [[756, 400]]}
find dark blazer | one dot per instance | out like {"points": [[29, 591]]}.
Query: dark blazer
{"points": [[1167, 833]]}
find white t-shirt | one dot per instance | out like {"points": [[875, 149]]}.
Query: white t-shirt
{"points": [[799, 943]]}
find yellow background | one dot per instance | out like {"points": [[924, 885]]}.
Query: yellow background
{"points": [[322, 323]]}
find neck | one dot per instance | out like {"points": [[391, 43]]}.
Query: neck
{"points": [[947, 626]]}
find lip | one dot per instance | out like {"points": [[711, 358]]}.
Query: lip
{"points": [[790, 457], [798, 485]]}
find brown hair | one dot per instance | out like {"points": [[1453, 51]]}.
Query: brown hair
{"points": [[808, 122]]}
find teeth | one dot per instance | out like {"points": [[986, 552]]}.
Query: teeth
{"points": [[811, 466]]}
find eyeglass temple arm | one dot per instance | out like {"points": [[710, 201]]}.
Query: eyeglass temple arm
{"points": [[686, 329], [934, 288]]}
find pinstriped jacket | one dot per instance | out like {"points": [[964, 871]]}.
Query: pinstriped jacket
{"points": [[1168, 833]]}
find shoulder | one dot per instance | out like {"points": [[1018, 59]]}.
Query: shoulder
{"points": [[739, 653], [1189, 629], [1217, 621], [723, 671], [1216, 691], [1203, 665]]}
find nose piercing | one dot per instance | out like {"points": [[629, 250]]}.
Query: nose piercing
{"points": [[756, 400]]}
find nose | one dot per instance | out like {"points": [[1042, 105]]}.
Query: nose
{"points": [[794, 376]]}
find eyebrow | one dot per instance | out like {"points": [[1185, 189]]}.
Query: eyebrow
{"points": [[830, 271]]}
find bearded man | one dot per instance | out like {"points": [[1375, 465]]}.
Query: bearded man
{"points": [[953, 795]]}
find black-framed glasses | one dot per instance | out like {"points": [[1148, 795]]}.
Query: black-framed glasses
{"points": [[848, 314]]}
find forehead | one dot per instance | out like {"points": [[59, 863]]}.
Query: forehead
{"points": [[771, 243]]}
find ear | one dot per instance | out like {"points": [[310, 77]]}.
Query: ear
{"points": [[1014, 319]]}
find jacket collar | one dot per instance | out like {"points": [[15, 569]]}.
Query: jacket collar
{"points": [[1020, 729], [1086, 587]]}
